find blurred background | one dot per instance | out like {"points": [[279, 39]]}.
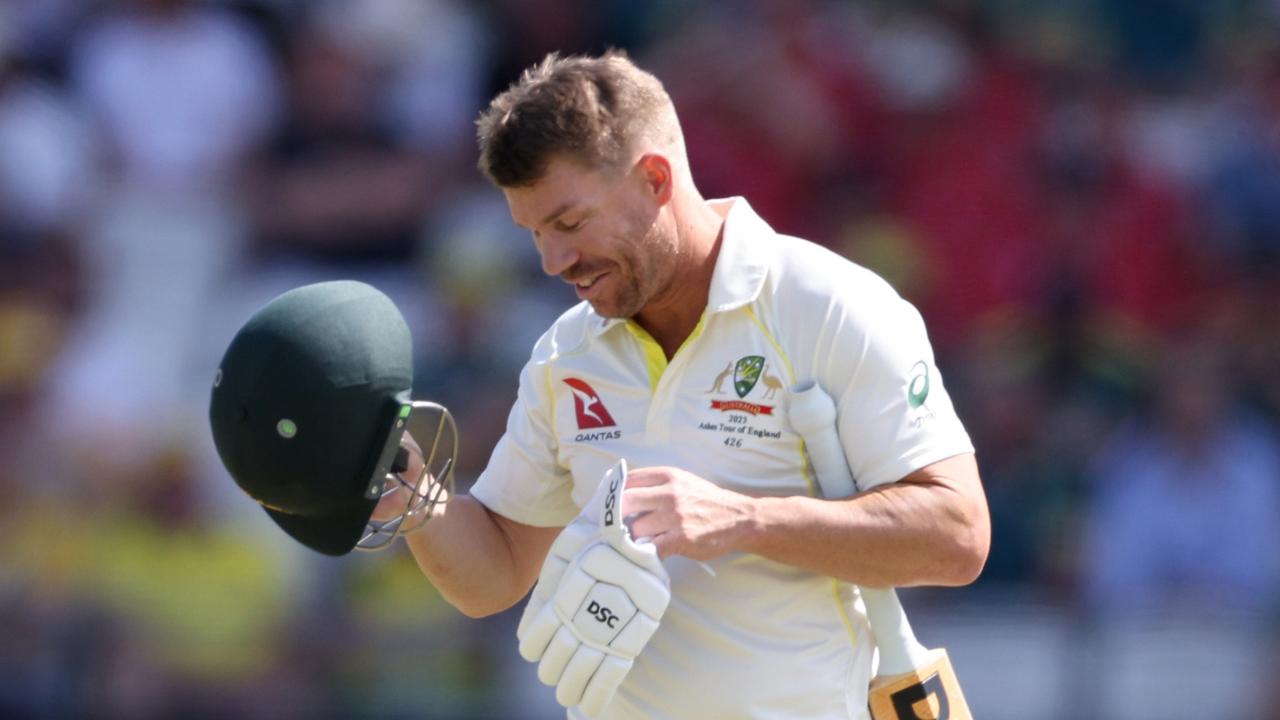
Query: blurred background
{"points": [[1082, 197]]}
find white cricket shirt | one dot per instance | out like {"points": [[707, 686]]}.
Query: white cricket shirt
{"points": [[758, 639]]}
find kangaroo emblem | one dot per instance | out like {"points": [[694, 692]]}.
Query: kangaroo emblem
{"points": [[724, 375]]}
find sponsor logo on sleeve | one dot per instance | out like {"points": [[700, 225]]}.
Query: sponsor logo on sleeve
{"points": [[591, 413], [588, 406], [918, 387], [917, 394]]}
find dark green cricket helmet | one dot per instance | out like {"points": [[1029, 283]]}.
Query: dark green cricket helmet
{"points": [[308, 409]]}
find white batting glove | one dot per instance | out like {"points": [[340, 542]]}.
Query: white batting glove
{"points": [[598, 600]]}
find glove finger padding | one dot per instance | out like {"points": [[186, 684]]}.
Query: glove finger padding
{"points": [[599, 599], [581, 668], [559, 652], [566, 546], [604, 683], [605, 606]]}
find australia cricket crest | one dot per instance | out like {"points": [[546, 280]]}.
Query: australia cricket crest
{"points": [[746, 373], [749, 371]]}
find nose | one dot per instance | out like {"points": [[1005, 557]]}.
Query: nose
{"points": [[557, 254]]}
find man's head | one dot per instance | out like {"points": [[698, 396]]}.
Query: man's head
{"points": [[597, 112], [589, 154]]}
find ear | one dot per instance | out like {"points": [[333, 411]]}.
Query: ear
{"points": [[655, 171]]}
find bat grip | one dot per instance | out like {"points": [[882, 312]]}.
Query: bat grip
{"points": [[900, 652], [813, 415]]}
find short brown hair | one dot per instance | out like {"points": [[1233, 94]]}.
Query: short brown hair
{"points": [[594, 110]]}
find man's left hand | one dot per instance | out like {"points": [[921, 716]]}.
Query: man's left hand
{"points": [[684, 514]]}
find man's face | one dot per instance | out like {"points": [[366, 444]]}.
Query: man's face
{"points": [[599, 231]]}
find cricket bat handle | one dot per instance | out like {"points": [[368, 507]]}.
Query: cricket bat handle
{"points": [[907, 668], [813, 415]]}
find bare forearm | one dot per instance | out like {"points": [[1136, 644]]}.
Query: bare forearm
{"points": [[902, 534], [468, 555]]}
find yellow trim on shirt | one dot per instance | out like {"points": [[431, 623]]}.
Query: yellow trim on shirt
{"points": [[843, 611], [551, 397], [655, 359], [791, 379], [791, 371], [808, 479]]}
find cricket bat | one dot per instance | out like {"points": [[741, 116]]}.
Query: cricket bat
{"points": [[912, 682]]}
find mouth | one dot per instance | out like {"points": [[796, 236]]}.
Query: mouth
{"points": [[589, 287]]}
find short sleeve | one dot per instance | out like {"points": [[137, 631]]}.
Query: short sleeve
{"points": [[894, 413], [523, 480]]}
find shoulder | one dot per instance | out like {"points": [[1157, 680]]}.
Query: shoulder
{"points": [[805, 267], [842, 324], [568, 335], [811, 286]]}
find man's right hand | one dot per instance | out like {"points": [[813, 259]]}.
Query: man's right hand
{"points": [[399, 493], [598, 600]]}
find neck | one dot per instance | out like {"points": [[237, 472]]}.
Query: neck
{"points": [[671, 319]]}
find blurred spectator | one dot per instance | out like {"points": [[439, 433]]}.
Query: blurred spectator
{"points": [[1242, 186], [1249, 338], [178, 93], [335, 184], [1158, 43], [190, 615], [45, 158], [1118, 241], [1187, 514], [958, 166], [39, 31], [431, 58], [525, 30], [1032, 475], [817, 99], [179, 90]]}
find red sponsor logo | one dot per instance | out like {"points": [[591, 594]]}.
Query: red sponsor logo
{"points": [[588, 406], [741, 406]]}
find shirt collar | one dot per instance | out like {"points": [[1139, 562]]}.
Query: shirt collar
{"points": [[741, 266]]}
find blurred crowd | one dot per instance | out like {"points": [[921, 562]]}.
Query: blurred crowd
{"points": [[1082, 197]]}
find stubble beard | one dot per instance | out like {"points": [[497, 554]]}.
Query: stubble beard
{"points": [[643, 272]]}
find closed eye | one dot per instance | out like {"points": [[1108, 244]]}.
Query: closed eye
{"points": [[569, 227]]}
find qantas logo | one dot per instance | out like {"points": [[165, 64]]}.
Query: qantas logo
{"points": [[588, 406]]}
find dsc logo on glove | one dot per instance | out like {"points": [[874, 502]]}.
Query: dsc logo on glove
{"points": [[598, 600], [602, 614], [611, 498]]}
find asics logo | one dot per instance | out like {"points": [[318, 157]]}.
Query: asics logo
{"points": [[918, 388]]}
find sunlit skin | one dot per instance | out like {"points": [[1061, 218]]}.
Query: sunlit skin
{"points": [[631, 242], [589, 229], [394, 503]]}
